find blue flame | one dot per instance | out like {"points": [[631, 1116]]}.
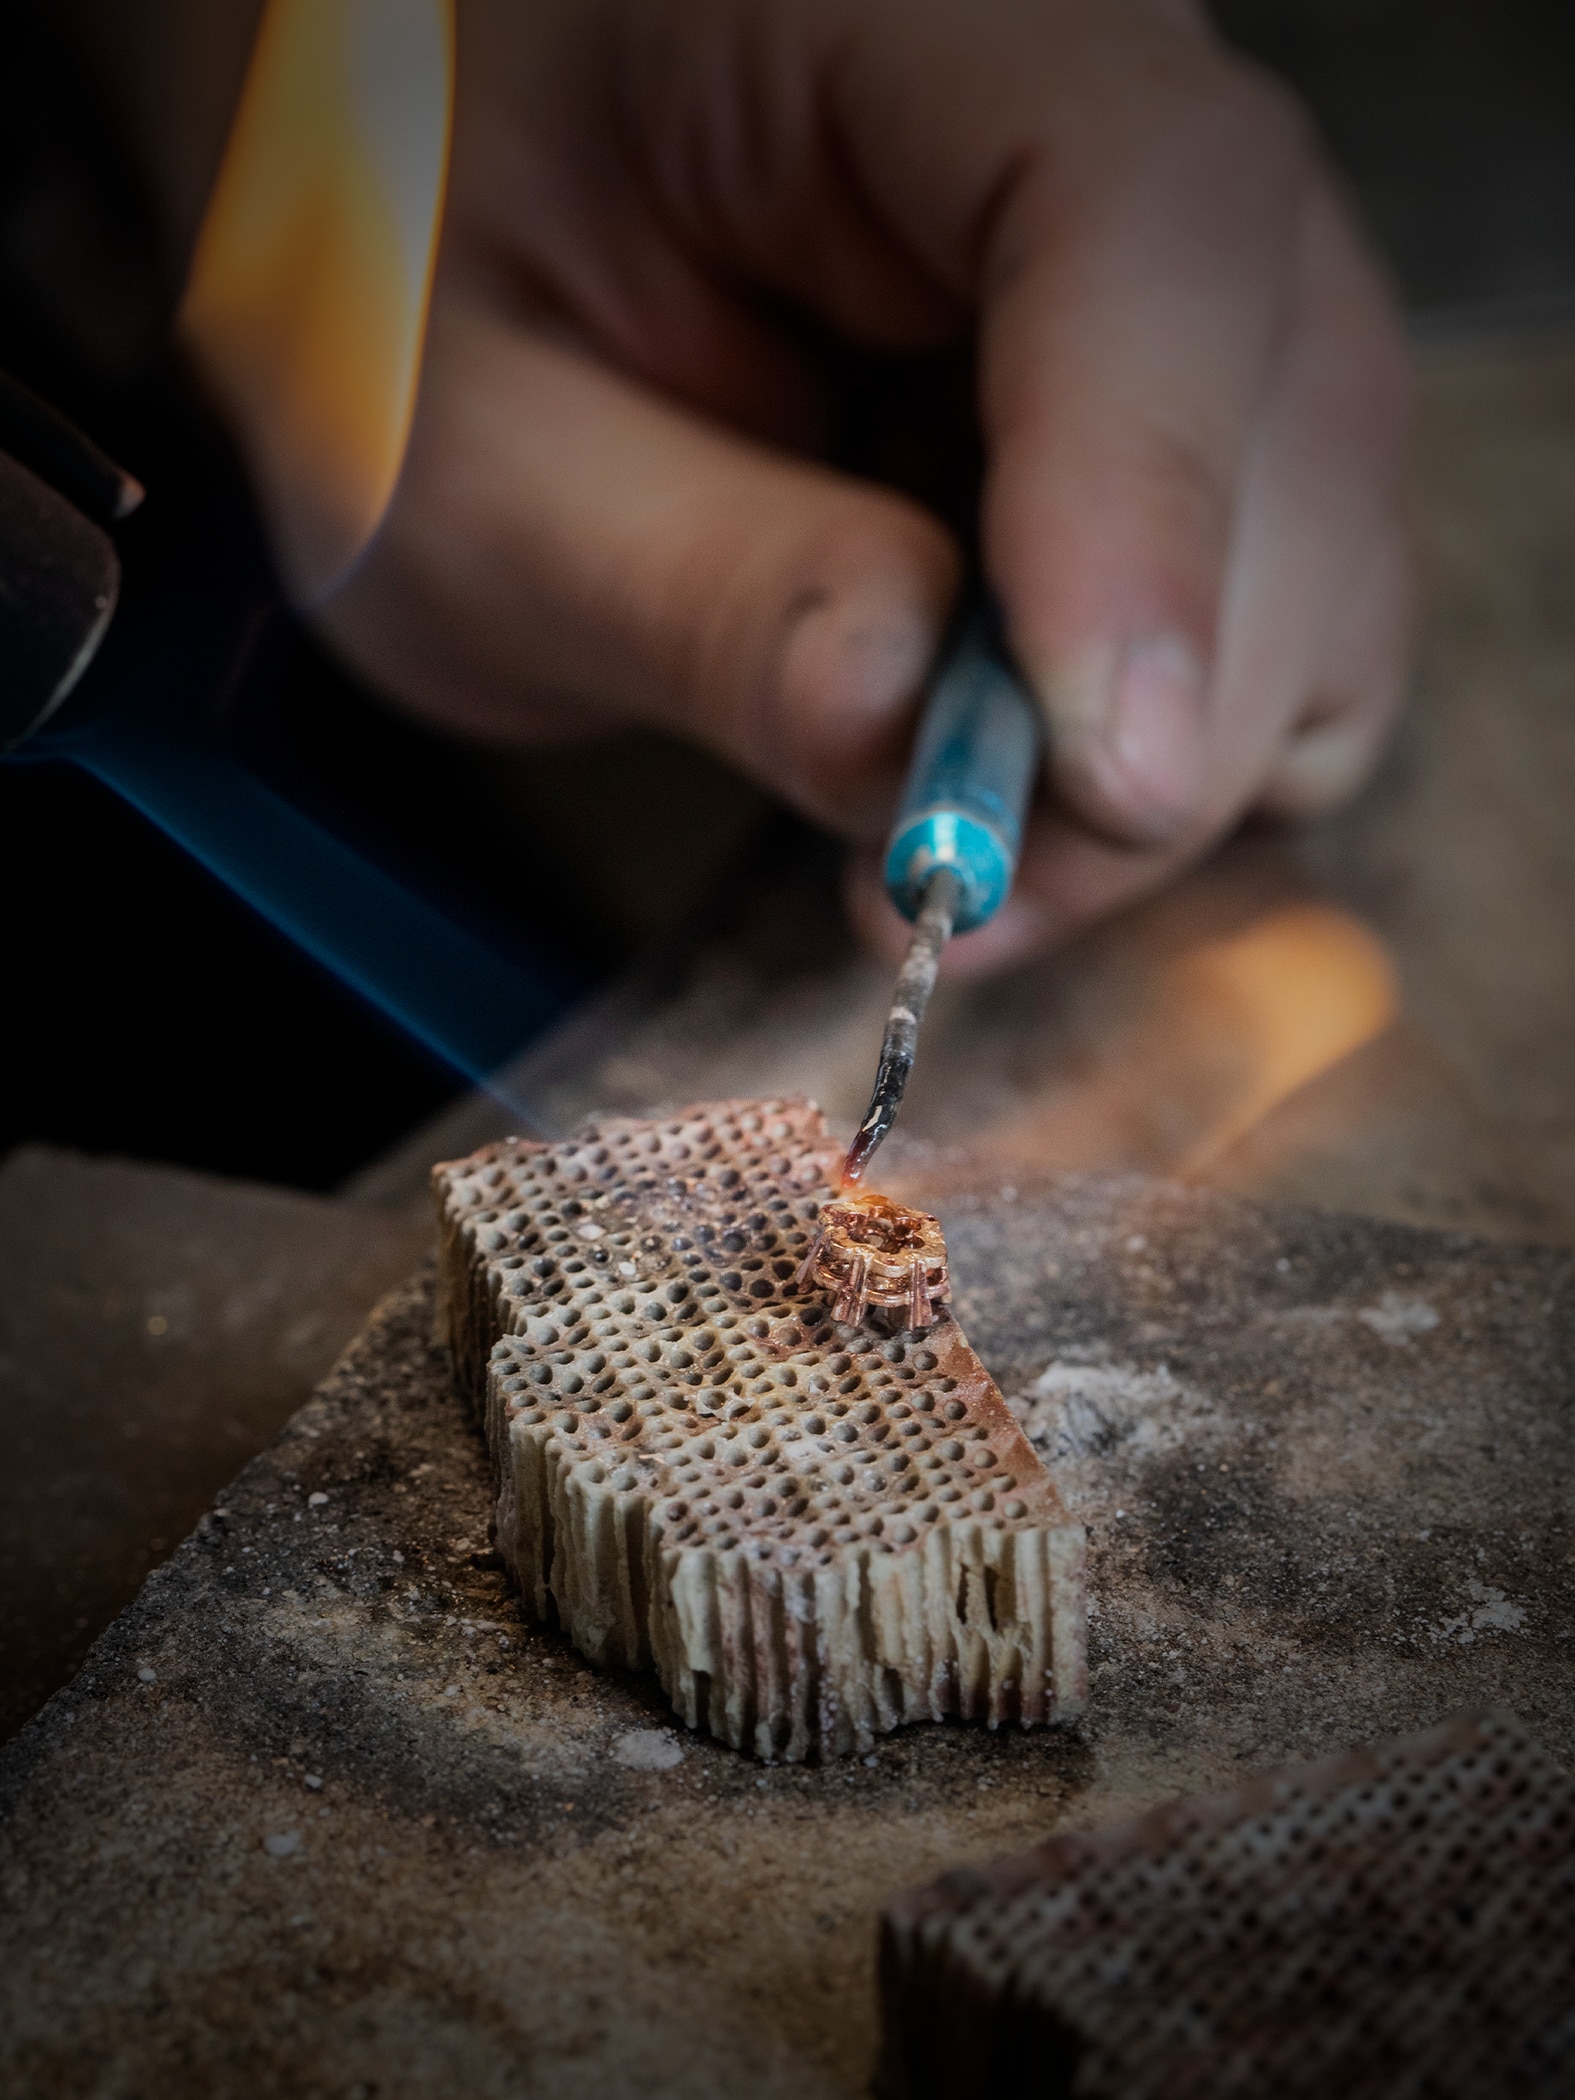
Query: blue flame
{"points": [[460, 999]]}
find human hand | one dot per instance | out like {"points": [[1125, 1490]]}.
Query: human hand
{"points": [[1190, 390]]}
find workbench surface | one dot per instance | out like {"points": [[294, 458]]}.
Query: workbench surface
{"points": [[1324, 1463], [321, 1816]]}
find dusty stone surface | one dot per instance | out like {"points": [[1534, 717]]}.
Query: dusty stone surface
{"points": [[815, 1528], [321, 1814], [1326, 1464], [157, 1328]]}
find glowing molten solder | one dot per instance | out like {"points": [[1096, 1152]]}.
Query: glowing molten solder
{"points": [[870, 1251]]}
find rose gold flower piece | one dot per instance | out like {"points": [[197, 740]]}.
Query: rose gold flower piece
{"points": [[870, 1252]]}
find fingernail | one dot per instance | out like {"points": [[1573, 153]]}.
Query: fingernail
{"points": [[1152, 756]]}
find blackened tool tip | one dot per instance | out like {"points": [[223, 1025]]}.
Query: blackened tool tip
{"points": [[915, 982]]}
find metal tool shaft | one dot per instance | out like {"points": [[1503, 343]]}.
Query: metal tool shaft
{"points": [[915, 982]]}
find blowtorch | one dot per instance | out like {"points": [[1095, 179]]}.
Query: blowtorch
{"points": [[138, 721]]}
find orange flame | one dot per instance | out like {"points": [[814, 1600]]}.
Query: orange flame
{"points": [[306, 305], [1299, 990], [1164, 1072]]}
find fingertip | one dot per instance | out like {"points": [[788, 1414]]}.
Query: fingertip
{"points": [[1020, 930], [1127, 736], [857, 640], [1327, 763], [875, 920], [1337, 741]]}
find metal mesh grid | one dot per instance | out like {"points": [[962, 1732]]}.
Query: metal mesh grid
{"points": [[1395, 1922]]}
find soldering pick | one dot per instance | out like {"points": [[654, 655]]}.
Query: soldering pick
{"points": [[959, 829]]}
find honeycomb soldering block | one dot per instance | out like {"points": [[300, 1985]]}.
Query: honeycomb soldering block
{"points": [[814, 1533]]}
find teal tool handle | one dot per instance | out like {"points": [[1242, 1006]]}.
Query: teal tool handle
{"points": [[972, 775]]}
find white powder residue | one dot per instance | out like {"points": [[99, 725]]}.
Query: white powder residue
{"points": [[1490, 1611], [648, 1750], [1397, 1319], [1096, 1425]]}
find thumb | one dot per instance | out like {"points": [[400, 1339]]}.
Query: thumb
{"points": [[566, 547]]}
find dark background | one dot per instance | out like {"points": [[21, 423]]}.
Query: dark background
{"points": [[146, 1012]]}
